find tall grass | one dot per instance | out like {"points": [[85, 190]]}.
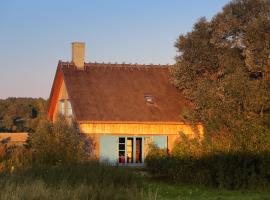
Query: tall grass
{"points": [[80, 181]]}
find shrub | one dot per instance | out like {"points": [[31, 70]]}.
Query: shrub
{"points": [[13, 157], [58, 143], [156, 160], [227, 170]]}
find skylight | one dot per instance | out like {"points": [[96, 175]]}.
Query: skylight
{"points": [[149, 98]]}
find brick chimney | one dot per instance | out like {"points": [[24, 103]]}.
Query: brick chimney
{"points": [[78, 51]]}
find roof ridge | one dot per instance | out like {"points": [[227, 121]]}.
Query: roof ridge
{"points": [[123, 64]]}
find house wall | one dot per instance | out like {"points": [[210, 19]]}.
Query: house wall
{"points": [[95, 130]]}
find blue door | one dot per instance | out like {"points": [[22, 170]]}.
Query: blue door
{"points": [[160, 141], [130, 150], [108, 148]]}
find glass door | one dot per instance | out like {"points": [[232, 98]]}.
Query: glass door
{"points": [[138, 150], [130, 150]]}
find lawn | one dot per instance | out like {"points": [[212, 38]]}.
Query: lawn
{"points": [[166, 191], [93, 181]]}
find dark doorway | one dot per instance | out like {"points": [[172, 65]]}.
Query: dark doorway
{"points": [[138, 150]]}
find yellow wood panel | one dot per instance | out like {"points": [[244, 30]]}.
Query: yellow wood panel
{"points": [[139, 128]]}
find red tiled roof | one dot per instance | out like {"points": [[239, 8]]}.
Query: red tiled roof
{"points": [[116, 92]]}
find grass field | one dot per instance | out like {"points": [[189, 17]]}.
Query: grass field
{"points": [[167, 191], [92, 181]]}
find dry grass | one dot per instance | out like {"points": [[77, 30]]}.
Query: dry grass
{"points": [[40, 190], [81, 181]]}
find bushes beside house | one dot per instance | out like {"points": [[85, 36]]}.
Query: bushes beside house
{"points": [[51, 144], [200, 162], [230, 171], [56, 143], [13, 157]]}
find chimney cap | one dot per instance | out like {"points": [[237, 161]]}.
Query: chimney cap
{"points": [[77, 42]]}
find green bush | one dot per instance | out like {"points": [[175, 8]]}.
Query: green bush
{"points": [[58, 142], [226, 170], [13, 157]]}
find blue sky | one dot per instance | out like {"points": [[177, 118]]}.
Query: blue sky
{"points": [[34, 35]]}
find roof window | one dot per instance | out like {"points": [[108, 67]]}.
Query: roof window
{"points": [[149, 99]]}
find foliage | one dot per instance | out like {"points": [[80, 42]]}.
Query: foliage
{"points": [[21, 114], [223, 67], [51, 144], [13, 157], [157, 155], [246, 170], [58, 142]]}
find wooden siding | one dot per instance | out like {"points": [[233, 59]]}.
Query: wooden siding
{"points": [[139, 128]]}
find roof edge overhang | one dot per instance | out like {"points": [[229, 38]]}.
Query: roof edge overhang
{"points": [[135, 122], [57, 82]]}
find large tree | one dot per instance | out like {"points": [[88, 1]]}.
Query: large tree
{"points": [[223, 67]]}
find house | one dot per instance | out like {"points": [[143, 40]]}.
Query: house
{"points": [[121, 107]]}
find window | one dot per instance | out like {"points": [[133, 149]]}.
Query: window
{"points": [[69, 108], [121, 150], [149, 99], [130, 150], [62, 107]]}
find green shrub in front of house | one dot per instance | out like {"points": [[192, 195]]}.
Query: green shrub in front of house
{"points": [[51, 144], [230, 171], [56, 143], [198, 162]]}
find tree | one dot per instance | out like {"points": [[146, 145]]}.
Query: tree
{"points": [[223, 67]]}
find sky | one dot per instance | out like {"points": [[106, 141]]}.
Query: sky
{"points": [[35, 35]]}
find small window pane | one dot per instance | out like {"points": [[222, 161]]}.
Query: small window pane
{"points": [[62, 107], [121, 157], [121, 146], [69, 108], [121, 140]]}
